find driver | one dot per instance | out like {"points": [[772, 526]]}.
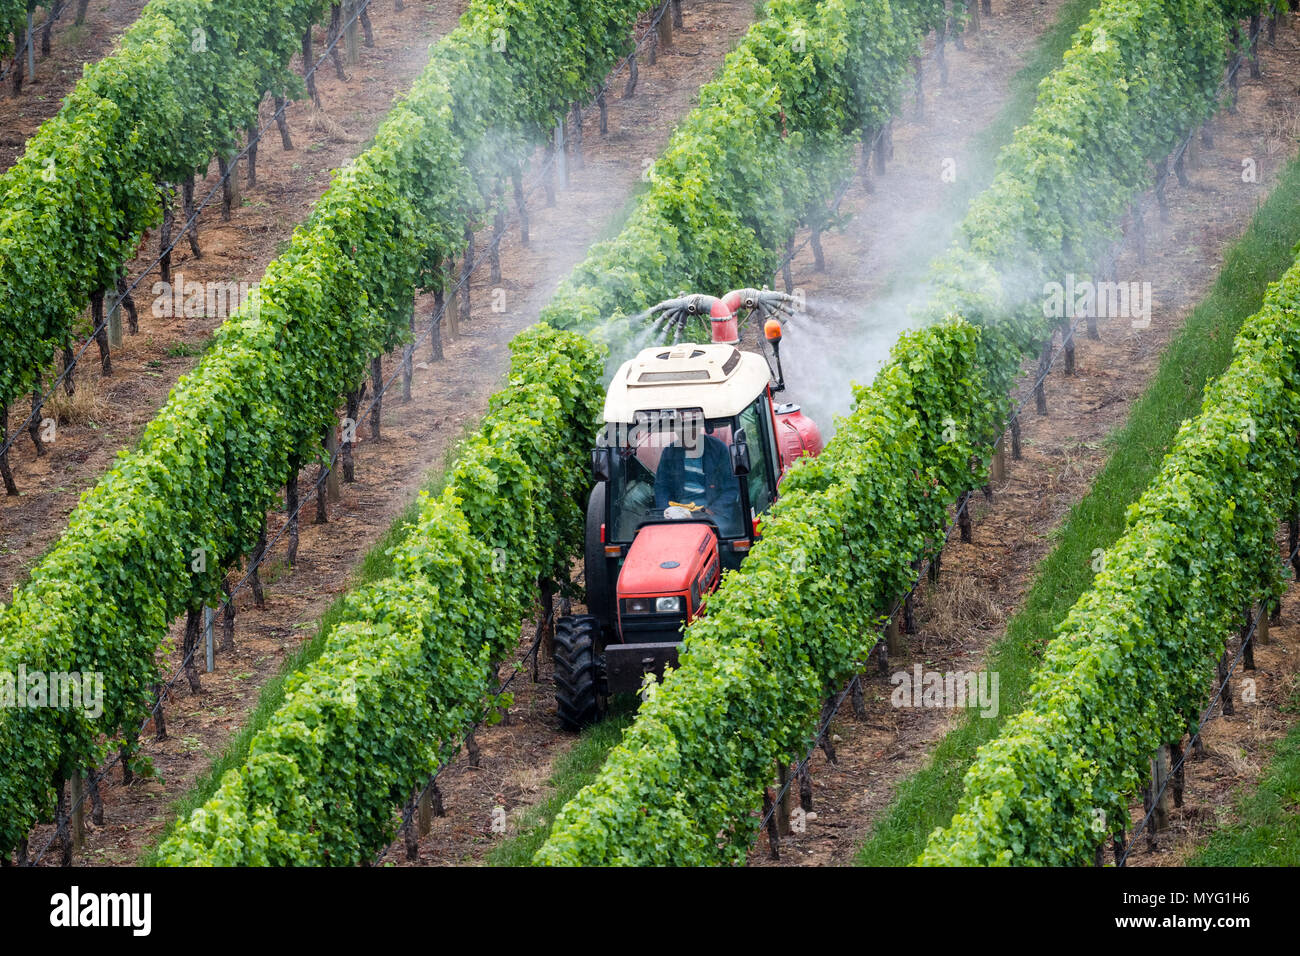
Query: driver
{"points": [[709, 459]]}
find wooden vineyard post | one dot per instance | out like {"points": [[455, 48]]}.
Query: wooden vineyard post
{"points": [[435, 326], [1040, 389], [96, 801], [665, 25], [467, 268], [209, 646], [894, 638], [191, 216], [973, 9], [251, 134], [963, 518], [521, 205], [77, 801], [377, 403], [998, 467], [1261, 629], [630, 87], [351, 33], [168, 196], [864, 159], [1067, 344], [291, 510], [193, 621], [561, 154], [784, 807], [1160, 789], [424, 809], [494, 248]]}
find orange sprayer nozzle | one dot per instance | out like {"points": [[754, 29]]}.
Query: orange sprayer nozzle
{"points": [[772, 329]]}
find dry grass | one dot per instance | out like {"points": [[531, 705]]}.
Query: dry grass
{"points": [[959, 606], [318, 121], [84, 406]]}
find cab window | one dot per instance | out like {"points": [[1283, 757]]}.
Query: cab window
{"points": [[754, 421]]}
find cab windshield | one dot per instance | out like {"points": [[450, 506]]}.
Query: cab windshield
{"points": [[674, 464]]}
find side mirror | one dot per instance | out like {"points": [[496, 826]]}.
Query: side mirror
{"points": [[739, 458], [602, 463]]}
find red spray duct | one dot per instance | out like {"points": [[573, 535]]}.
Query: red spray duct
{"points": [[726, 331]]}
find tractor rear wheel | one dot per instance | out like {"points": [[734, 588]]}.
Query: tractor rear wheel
{"points": [[577, 671]]}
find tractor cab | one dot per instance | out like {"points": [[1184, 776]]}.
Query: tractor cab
{"points": [[692, 454]]}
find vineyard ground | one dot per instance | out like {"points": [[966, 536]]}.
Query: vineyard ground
{"points": [[985, 582], [71, 46], [517, 760], [414, 436]]}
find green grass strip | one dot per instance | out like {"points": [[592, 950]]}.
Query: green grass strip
{"points": [[572, 772], [1199, 353], [1266, 831]]}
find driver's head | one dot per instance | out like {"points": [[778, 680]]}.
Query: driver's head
{"points": [[692, 437]]}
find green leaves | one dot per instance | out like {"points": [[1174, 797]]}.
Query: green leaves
{"points": [[407, 671], [1131, 664], [212, 461]]}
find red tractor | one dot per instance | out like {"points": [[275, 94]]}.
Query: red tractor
{"points": [[692, 454]]}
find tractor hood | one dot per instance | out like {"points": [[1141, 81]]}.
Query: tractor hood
{"points": [[680, 558]]}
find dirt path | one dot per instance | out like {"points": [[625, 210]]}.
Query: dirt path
{"points": [[984, 582], [71, 47], [447, 398], [107, 414]]}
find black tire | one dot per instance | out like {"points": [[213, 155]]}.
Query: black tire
{"points": [[596, 565], [577, 671]]}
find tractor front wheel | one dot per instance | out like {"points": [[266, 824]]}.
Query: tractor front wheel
{"points": [[577, 671]]}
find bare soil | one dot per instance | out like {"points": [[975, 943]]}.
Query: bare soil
{"points": [[447, 398]]}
